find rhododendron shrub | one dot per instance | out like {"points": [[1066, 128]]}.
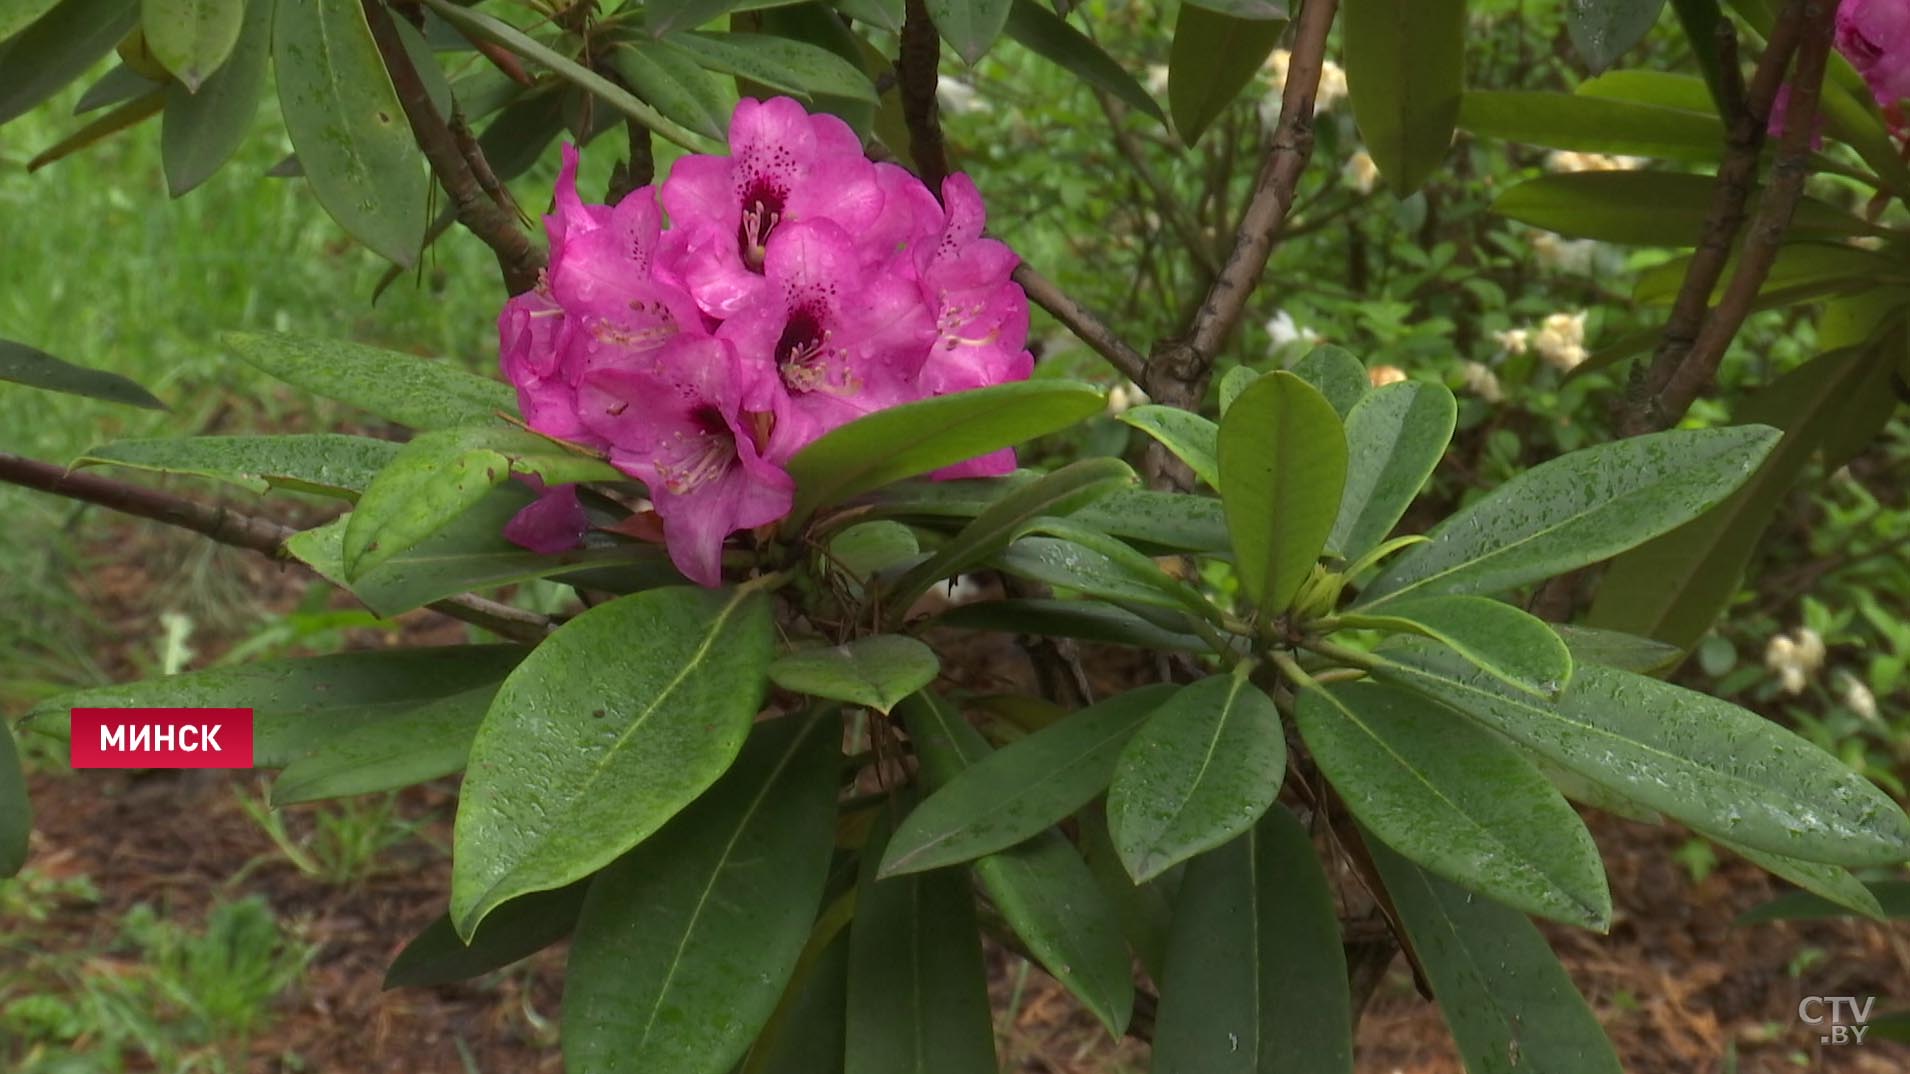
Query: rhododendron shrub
{"points": [[701, 332]]}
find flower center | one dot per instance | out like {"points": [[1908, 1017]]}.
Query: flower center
{"points": [[762, 211], [709, 455], [802, 354]]}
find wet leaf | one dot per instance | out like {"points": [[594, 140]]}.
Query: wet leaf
{"points": [[56, 47], [1405, 73], [404, 748], [1049, 36], [970, 26], [420, 392], [1394, 439], [1603, 30], [1513, 646], [35, 368], [520, 928], [875, 671], [1282, 471], [1214, 56], [1192, 438], [330, 464], [204, 126], [192, 38]]}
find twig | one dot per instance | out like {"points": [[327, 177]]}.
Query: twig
{"points": [[1082, 321], [917, 70], [1170, 207], [261, 535], [518, 257]]}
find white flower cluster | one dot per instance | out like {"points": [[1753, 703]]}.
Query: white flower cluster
{"points": [[1567, 161], [1559, 340], [1482, 382], [1795, 658], [1360, 172], [1332, 86], [1576, 256]]}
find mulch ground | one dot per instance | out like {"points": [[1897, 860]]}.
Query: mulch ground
{"points": [[1678, 988]]}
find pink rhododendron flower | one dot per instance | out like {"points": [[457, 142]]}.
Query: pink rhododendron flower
{"points": [[1875, 36], [795, 287], [553, 523]]}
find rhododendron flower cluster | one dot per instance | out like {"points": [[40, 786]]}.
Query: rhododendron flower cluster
{"points": [[1875, 36], [796, 286]]}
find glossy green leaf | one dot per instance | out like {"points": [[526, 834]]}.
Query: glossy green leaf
{"points": [[16, 813], [406, 747], [35, 368], [1023, 789], [299, 705], [118, 85], [1155, 520], [204, 127], [1891, 896], [1405, 72], [806, 1034], [1505, 642], [440, 475], [17, 15], [1213, 58], [1592, 124], [1394, 439], [970, 26], [1455, 798], [1603, 30], [1058, 494], [1033, 26], [792, 66], [875, 671], [520, 928], [1615, 649], [903, 441], [676, 84], [609, 728], [886, 14], [331, 464], [1041, 887], [685, 943], [192, 38], [1143, 909], [1233, 382], [1193, 439], [1075, 557], [57, 47], [1337, 373], [1255, 981], [1801, 268], [420, 392], [1674, 587], [109, 123], [1200, 771], [869, 548], [1508, 1002], [1636, 208], [347, 126], [1082, 619], [1662, 89], [1576, 510], [662, 16], [918, 991], [1698, 759], [1282, 470], [1827, 882]]}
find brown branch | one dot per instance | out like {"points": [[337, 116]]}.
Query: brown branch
{"points": [[917, 70], [518, 257], [1766, 236], [1747, 122], [1078, 319], [261, 535]]}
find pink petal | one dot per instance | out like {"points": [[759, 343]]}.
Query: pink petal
{"points": [[552, 524]]}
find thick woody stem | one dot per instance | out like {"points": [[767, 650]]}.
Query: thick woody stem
{"points": [[917, 71], [261, 535]]}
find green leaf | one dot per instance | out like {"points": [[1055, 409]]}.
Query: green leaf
{"points": [[420, 392], [1891, 896], [1505, 642], [57, 47], [192, 38], [969, 26], [520, 928], [902, 441], [331, 464], [16, 813], [35, 368], [1592, 124], [875, 671], [1200, 771], [1163, 520], [1192, 438], [885, 14], [1078, 558], [17, 15], [1456, 799], [408, 747], [1042, 887], [671, 79], [1644, 208], [621, 718], [792, 66], [1827, 882], [117, 86], [1049, 36], [1662, 89], [1603, 30], [1674, 587], [1246, 9], [204, 127], [1023, 789], [1801, 268], [1255, 978], [1626, 652], [300, 705], [1233, 382], [1405, 72], [1213, 58], [662, 16], [347, 127], [918, 991], [1394, 439], [1337, 373], [1700, 760], [805, 1035], [867, 549], [440, 475], [1143, 909], [685, 943], [1083, 619], [1060, 493], [1508, 1002], [1282, 470], [1576, 510]]}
